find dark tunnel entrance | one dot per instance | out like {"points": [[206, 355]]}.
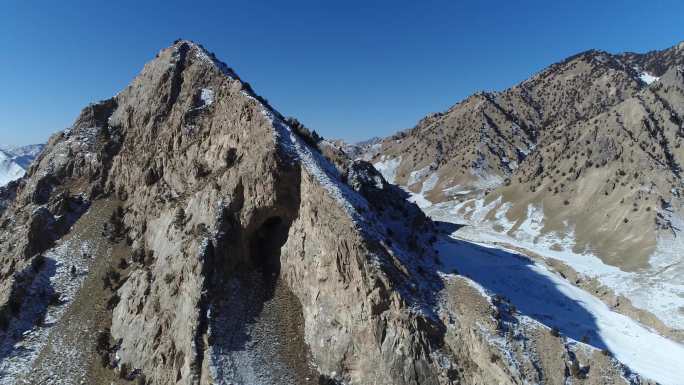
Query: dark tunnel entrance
{"points": [[264, 246]]}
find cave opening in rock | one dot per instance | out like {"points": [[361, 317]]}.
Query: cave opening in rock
{"points": [[258, 323], [265, 245]]}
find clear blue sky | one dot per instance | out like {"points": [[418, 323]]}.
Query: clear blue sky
{"points": [[349, 69]]}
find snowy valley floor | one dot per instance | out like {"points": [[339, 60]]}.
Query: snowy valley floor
{"points": [[546, 297]]}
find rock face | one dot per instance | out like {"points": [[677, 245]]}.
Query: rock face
{"points": [[249, 252]]}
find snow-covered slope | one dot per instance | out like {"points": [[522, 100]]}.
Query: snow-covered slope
{"points": [[24, 155], [655, 288], [14, 161], [9, 170], [547, 298]]}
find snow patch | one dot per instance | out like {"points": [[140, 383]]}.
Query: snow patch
{"points": [[486, 181], [646, 77], [419, 198], [388, 167], [207, 96], [429, 183], [456, 190], [204, 56], [416, 176]]}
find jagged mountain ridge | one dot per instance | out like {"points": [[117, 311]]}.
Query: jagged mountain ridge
{"points": [[491, 132], [139, 232], [656, 62]]}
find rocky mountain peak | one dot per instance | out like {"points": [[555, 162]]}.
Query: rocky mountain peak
{"points": [[185, 232], [214, 202]]}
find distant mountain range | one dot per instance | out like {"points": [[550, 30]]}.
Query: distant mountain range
{"points": [[14, 161]]}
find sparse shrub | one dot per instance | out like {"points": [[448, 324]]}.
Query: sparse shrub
{"points": [[168, 278], [179, 219], [139, 256], [576, 371], [149, 258], [231, 157], [512, 310], [555, 332], [114, 228], [124, 371], [311, 137], [111, 279], [201, 169], [113, 301]]}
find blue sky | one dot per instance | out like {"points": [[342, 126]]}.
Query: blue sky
{"points": [[349, 69]]}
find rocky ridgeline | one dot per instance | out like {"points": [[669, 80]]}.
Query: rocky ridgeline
{"points": [[592, 135]]}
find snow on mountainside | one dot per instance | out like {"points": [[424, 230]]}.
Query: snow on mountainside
{"points": [[24, 155], [14, 161], [648, 78], [9, 170], [511, 263]]}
